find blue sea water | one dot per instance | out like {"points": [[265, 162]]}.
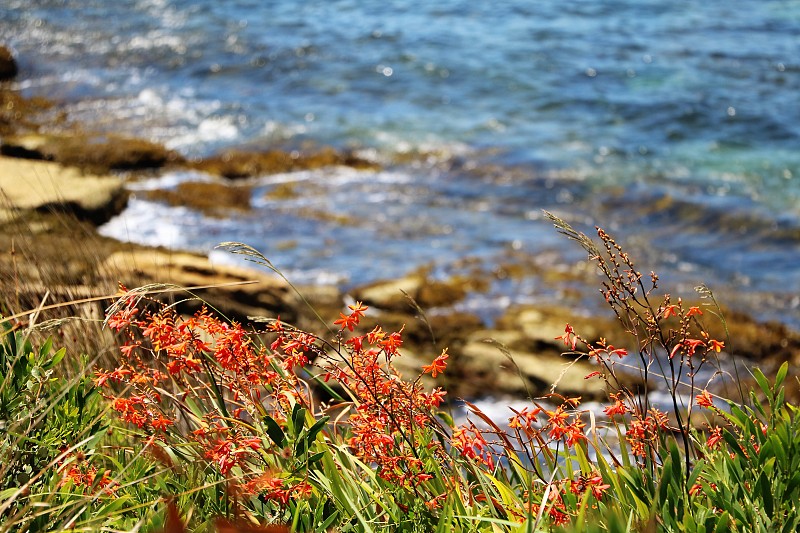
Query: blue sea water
{"points": [[675, 125]]}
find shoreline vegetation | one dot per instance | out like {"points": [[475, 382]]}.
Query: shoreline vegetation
{"points": [[162, 408]]}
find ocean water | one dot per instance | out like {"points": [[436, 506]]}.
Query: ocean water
{"points": [[674, 125]]}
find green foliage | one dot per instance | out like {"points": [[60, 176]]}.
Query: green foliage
{"points": [[225, 436], [755, 479], [46, 422]]}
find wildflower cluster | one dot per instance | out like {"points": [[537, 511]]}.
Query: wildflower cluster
{"points": [[76, 470], [672, 345], [387, 414], [203, 381], [236, 397], [552, 431], [245, 404]]}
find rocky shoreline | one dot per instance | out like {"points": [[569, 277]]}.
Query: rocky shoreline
{"points": [[59, 182]]}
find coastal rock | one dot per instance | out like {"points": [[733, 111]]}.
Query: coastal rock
{"points": [[518, 359], [94, 153], [389, 294], [521, 355], [393, 295], [237, 293], [19, 114], [487, 364], [213, 199], [43, 186], [235, 164], [543, 324], [8, 65], [763, 342]]}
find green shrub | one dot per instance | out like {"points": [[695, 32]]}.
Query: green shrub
{"points": [[51, 428]]}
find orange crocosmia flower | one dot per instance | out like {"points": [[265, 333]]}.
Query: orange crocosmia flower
{"points": [[392, 342], [161, 423], [715, 345], [692, 345], [657, 418], [375, 335], [303, 490], [358, 309], [617, 408], [253, 443], [619, 352], [557, 422], [436, 397], [675, 349], [438, 365], [574, 401], [128, 348], [670, 310], [590, 483], [121, 319], [694, 310], [597, 486], [574, 433], [568, 337], [714, 438], [351, 321], [345, 321], [704, 399]]}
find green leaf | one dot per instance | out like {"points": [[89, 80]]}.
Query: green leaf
{"points": [[328, 390], [793, 484], [46, 348], [781, 375], [765, 487], [448, 420], [663, 485], [111, 507], [316, 428], [315, 458], [6, 494], [298, 419], [696, 471], [274, 431], [301, 447], [762, 382], [57, 357], [723, 522], [779, 399]]}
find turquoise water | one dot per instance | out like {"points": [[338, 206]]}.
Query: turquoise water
{"points": [[674, 124]]}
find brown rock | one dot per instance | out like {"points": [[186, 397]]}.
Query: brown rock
{"points": [[18, 114], [393, 295], [390, 295], [43, 186], [543, 324], [94, 153], [213, 199], [268, 297], [763, 342], [235, 164], [486, 364], [8, 65]]}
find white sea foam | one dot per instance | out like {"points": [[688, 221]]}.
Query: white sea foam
{"points": [[169, 180], [210, 129], [148, 223], [276, 131]]}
